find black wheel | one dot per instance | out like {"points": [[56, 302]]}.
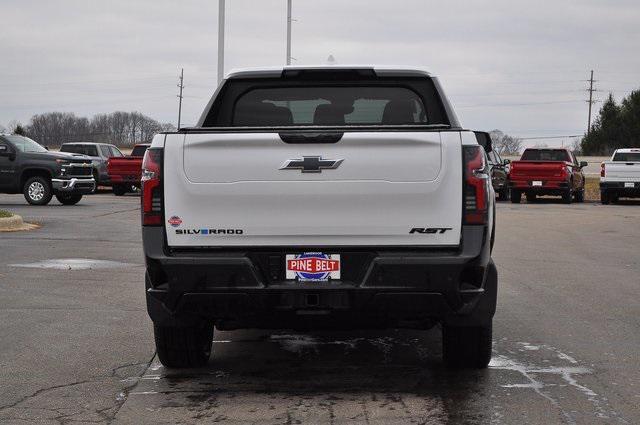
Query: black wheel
{"points": [[567, 197], [68, 198], [516, 196], [466, 347], [119, 189], [579, 195], [37, 190], [531, 198], [605, 198], [183, 347]]}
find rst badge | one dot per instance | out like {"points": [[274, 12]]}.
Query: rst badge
{"points": [[312, 266]]}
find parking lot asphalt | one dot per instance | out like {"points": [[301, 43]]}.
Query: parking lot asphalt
{"points": [[76, 344]]}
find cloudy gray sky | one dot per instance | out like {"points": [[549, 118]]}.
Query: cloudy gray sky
{"points": [[515, 65]]}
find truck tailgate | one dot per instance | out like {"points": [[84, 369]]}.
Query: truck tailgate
{"points": [[622, 171], [229, 189], [540, 170], [125, 166]]}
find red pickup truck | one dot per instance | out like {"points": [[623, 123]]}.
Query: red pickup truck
{"points": [[125, 171], [545, 171]]}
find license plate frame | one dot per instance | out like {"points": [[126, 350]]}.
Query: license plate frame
{"points": [[313, 267], [629, 185]]}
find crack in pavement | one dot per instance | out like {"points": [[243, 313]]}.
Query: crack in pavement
{"points": [[63, 416]]}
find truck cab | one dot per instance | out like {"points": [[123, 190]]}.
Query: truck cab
{"points": [[99, 154]]}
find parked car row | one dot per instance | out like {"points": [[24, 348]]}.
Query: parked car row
{"points": [[77, 169], [557, 172]]}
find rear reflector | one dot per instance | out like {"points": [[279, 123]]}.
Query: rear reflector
{"points": [[152, 187], [476, 185]]}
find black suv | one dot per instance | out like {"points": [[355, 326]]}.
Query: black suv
{"points": [[28, 168]]}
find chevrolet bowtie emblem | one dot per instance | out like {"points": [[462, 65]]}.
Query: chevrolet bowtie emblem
{"points": [[311, 164]]}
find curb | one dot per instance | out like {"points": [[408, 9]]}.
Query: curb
{"points": [[15, 224]]}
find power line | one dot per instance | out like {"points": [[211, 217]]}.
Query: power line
{"points": [[549, 137], [181, 86]]}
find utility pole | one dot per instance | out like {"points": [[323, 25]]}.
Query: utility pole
{"points": [[590, 101], [220, 40], [181, 86], [289, 32]]}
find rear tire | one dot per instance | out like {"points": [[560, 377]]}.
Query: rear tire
{"points": [[183, 347], [68, 198], [119, 189], [37, 190], [531, 198], [516, 196], [567, 197], [466, 347]]}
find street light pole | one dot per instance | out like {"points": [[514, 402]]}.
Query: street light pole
{"points": [[289, 32], [220, 40]]}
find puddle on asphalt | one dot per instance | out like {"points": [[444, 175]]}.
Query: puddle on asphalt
{"points": [[75, 264], [348, 365]]}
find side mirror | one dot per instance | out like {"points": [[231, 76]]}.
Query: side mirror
{"points": [[583, 164], [46, 147], [7, 153]]}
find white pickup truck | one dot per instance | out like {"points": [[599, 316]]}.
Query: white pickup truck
{"points": [[320, 197], [620, 176]]}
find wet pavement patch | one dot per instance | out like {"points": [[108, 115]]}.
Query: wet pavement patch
{"points": [[75, 264]]}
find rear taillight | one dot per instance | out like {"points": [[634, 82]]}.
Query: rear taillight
{"points": [[152, 187], [602, 170], [476, 185]]}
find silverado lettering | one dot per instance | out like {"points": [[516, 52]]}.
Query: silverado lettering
{"points": [[209, 231]]}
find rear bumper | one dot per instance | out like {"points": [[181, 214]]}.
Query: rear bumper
{"points": [[547, 187], [619, 189], [122, 179], [76, 185], [385, 288]]}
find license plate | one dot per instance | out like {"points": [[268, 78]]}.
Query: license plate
{"points": [[536, 183], [312, 267], [630, 184]]}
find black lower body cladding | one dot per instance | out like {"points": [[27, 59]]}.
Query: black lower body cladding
{"points": [[620, 189], [245, 288]]}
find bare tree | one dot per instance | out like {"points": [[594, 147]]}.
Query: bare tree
{"points": [[120, 128], [505, 144]]}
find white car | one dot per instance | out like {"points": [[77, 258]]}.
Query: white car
{"points": [[320, 197], [620, 176]]}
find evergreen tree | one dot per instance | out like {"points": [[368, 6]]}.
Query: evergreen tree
{"points": [[606, 131]]}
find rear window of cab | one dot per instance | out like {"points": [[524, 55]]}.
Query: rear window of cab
{"points": [[329, 100], [546, 155]]}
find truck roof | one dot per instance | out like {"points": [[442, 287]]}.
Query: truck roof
{"points": [[627, 150], [546, 149], [277, 71]]}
